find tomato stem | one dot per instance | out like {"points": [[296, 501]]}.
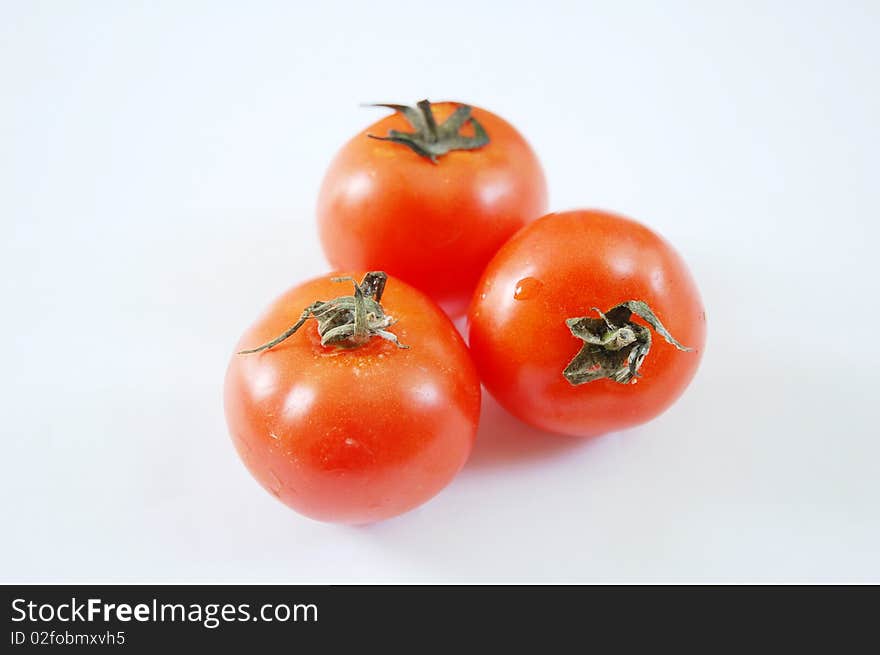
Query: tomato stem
{"points": [[348, 321], [430, 140], [614, 346]]}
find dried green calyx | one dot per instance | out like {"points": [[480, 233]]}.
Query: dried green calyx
{"points": [[614, 346], [430, 140], [348, 321]]}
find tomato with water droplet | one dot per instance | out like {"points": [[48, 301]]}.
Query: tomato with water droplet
{"points": [[575, 310], [353, 433]]}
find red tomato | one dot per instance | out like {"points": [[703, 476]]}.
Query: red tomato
{"points": [[360, 433], [558, 269], [434, 225]]}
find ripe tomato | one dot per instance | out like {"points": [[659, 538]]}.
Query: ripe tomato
{"points": [[356, 429], [553, 360], [434, 224]]}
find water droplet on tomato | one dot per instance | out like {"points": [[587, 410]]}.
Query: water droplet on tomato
{"points": [[527, 288]]}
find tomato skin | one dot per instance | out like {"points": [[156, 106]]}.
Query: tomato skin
{"points": [[382, 206], [563, 265], [353, 435]]}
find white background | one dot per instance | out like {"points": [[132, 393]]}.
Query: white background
{"points": [[159, 164]]}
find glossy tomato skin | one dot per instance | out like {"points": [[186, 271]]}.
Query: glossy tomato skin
{"points": [[382, 206], [559, 267], [353, 435]]}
